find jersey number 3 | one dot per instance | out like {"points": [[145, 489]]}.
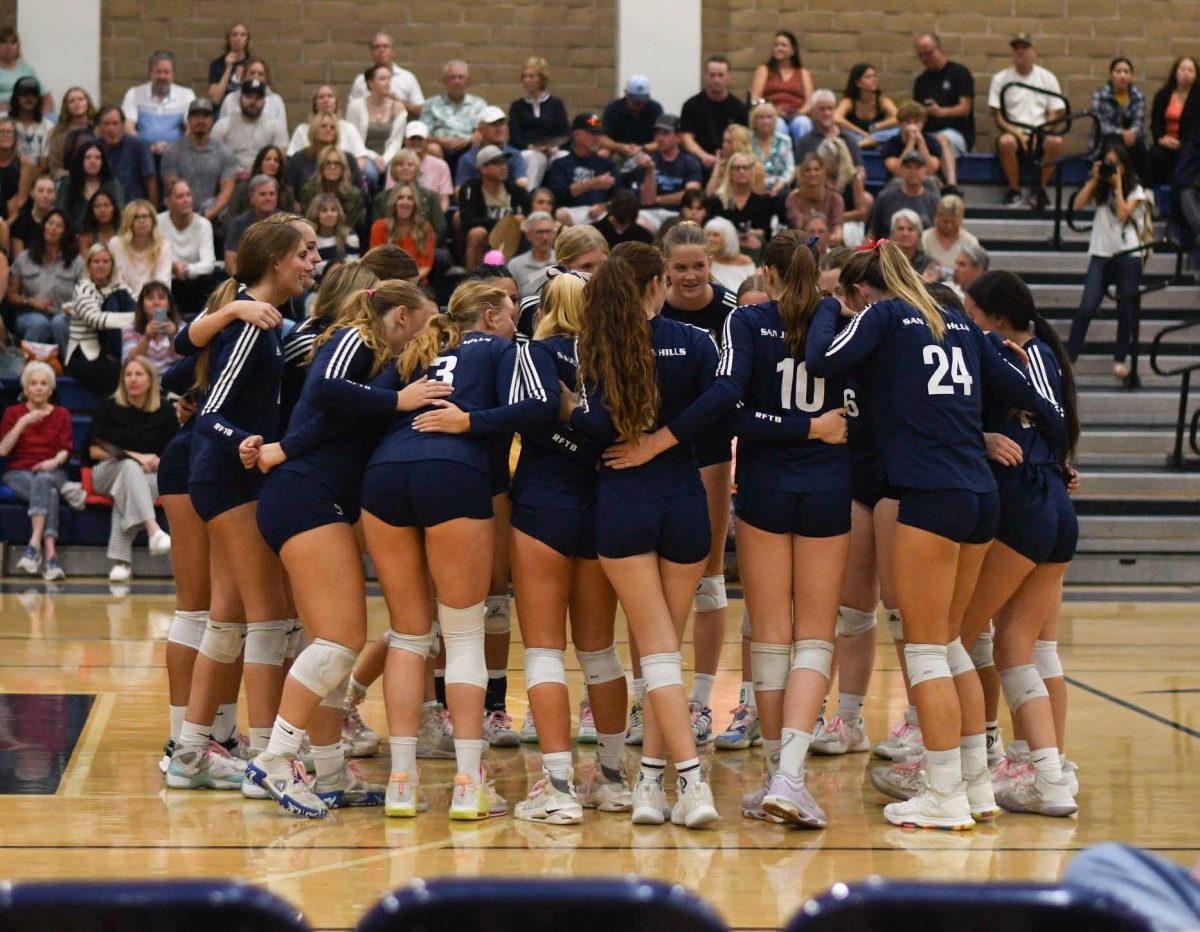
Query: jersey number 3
{"points": [[442, 369], [956, 366]]}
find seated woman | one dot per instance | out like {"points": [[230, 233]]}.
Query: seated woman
{"points": [[380, 119], [406, 167], [78, 113], [129, 432], [90, 172], [334, 178], [729, 266], [272, 162], [695, 206], [773, 148], [906, 233], [35, 437], [1173, 115], [324, 130], [537, 121], [405, 226], [750, 211], [325, 101], [42, 279], [946, 238], [33, 129], [141, 253], [784, 82], [736, 141], [103, 305], [866, 113], [812, 195], [842, 175], [336, 242], [102, 222], [151, 334]]}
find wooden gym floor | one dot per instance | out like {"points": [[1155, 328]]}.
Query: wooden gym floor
{"points": [[83, 718]]}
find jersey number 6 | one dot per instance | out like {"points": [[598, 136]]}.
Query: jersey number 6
{"points": [[955, 365]]}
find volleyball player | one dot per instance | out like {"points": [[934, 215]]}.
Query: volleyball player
{"points": [[579, 248], [1035, 540], [306, 513], [427, 507], [924, 370], [638, 371]]}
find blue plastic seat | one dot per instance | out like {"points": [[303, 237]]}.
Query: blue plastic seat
{"points": [[169, 906], [577, 905]]}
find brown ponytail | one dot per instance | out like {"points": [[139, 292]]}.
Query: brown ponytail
{"points": [[788, 254]]}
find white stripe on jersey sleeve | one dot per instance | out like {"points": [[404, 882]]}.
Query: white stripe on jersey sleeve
{"points": [[840, 341], [237, 360], [339, 362], [725, 359], [1041, 381], [532, 381]]}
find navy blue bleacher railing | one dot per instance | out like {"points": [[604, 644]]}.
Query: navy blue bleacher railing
{"points": [[1177, 459]]}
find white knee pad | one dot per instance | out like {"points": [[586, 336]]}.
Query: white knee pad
{"points": [[981, 651], [544, 665], [852, 622], [813, 654], [413, 643], [297, 640], [266, 642], [747, 631], [322, 666], [498, 619], [895, 623], [337, 698], [958, 658], [710, 594], [223, 640], [1020, 684], [462, 630], [769, 665], [926, 662], [662, 670], [187, 629], [1045, 658], [600, 666]]}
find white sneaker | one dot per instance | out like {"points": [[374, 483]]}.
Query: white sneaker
{"points": [[1039, 796], [404, 798], [160, 543], [357, 738], [633, 734], [649, 803], [75, 495], [204, 770], [694, 806], [434, 741], [1070, 770], [841, 737], [30, 562], [607, 795], [702, 717], [120, 573], [931, 809], [901, 780], [980, 797], [469, 802], [1012, 766], [904, 741], [549, 805], [587, 725], [498, 730], [752, 803], [528, 732], [791, 801], [286, 782]]}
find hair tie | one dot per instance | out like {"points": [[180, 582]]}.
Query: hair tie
{"points": [[370, 292], [871, 245]]}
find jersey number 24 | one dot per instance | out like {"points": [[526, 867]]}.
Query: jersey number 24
{"points": [[955, 365]]}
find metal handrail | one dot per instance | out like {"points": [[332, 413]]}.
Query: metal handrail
{"points": [[1176, 459]]}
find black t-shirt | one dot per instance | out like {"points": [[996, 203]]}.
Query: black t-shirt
{"points": [[706, 119], [756, 214], [635, 234], [946, 88], [892, 148], [23, 227], [623, 125], [131, 429]]}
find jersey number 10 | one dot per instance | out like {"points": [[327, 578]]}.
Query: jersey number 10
{"points": [[956, 366]]}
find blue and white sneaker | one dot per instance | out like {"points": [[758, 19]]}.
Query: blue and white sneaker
{"points": [[349, 789], [701, 722], [286, 782], [53, 571], [31, 561], [743, 732], [204, 770]]}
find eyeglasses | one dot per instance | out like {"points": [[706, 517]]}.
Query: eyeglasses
{"points": [[331, 164], [143, 216], [739, 168]]}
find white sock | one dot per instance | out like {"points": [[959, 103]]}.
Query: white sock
{"points": [[850, 707], [558, 765], [746, 695], [260, 738], [770, 748], [225, 724], [702, 687], [285, 738], [193, 737], [944, 769], [652, 769], [1062, 760], [469, 752], [792, 751], [639, 690], [357, 689], [177, 714], [404, 756], [974, 755], [687, 772], [328, 759], [1047, 764], [612, 747]]}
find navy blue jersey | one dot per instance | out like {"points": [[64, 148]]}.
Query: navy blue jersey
{"points": [[1037, 448], [504, 387], [711, 317], [178, 380], [557, 467], [296, 347], [687, 362], [924, 398]]}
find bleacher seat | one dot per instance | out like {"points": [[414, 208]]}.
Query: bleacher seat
{"points": [[878, 904], [978, 168], [169, 906], [512, 905]]}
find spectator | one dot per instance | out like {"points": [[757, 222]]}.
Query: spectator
{"points": [[152, 333], [435, 173], [272, 162], [140, 252], [453, 117], [101, 307], [577, 249], [492, 131], [191, 239], [129, 157], [695, 206], [334, 178], [537, 122], [865, 113], [90, 172], [264, 201], [226, 72], [405, 86], [705, 116], [489, 201], [33, 129], [912, 135], [947, 89], [947, 238], [1024, 110], [582, 179], [102, 221], [736, 140], [405, 226], [379, 119], [750, 212], [729, 266], [784, 82], [813, 194], [543, 199], [156, 110], [1120, 109], [16, 171], [42, 279], [825, 127], [1162, 895], [248, 130], [910, 193], [972, 261], [35, 439], [843, 175], [816, 227], [13, 67], [1116, 228], [771, 147], [78, 115], [209, 167], [129, 432], [336, 242], [905, 231], [1174, 115], [406, 167], [629, 121], [324, 130], [325, 101], [620, 222], [32, 215], [273, 106], [527, 267], [675, 172]]}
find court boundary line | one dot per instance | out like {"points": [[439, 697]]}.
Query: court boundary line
{"points": [[1133, 707], [79, 768]]}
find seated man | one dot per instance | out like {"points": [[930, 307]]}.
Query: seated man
{"points": [[249, 129], [947, 89], [911, 192], [129, 157], [675, 171], [191, 239], [539, 229], [453, 117], [1029, 108], [629, 121], [156, 110], [912, 135], [492, 131], [485, 203], [273, 107], [209, 167], [264, 201], [582, 181], [620, 224], [971, 262], [405, 86]]}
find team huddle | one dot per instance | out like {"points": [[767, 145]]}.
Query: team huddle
{"points": [[890, 444]]}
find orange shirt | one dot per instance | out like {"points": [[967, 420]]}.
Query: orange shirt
{"points": [[424, 258]]}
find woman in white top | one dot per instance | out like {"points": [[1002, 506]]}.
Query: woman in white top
{"points": [[102, 306], [139, 251], [729, 267], [1120, 217], [325, 101], [379, 118], [943, 241]]}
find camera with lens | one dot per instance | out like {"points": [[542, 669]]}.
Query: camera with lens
{"points": [[1107, 170]]}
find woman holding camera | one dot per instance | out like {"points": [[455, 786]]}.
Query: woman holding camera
{"points": [[155, 323], [1120, 213]]}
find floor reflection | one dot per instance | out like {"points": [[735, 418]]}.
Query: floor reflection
{"points": [[38, 734]]}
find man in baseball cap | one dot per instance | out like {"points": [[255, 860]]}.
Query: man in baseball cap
{"points": [[492, 131], [629, 120]]}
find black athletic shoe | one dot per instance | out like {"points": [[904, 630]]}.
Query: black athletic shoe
{"points": [[1039, 199], [1012, 198]]}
